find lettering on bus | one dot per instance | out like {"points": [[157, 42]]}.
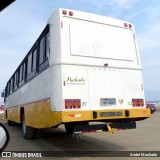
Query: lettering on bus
{"points": [[75, 80]]}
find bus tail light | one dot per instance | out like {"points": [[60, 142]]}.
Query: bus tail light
{"points": [[68, 103], [137, 102], [76, 103], [72, 103]]}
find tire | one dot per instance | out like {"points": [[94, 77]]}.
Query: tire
{"points": [[9, 123], [69, 128], [27, 132], [38, 133]]}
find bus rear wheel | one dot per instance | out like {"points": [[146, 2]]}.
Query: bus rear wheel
{"points": [[9, 123], [27, 132]]}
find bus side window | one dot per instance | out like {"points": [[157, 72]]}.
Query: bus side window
{"points": [[10, 86], [18, 78], [15, 81], [34, 59], [29, 67], [24, 70], [47, 46], [42, 50], [20, 75], [32, 64], [8, 89]]}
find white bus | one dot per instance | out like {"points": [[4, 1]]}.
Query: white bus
{"points": [[83, 68]]}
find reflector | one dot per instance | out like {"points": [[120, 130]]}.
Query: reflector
{"points": [[70, 13], [64, 12], [130, 26], [125, 24]]}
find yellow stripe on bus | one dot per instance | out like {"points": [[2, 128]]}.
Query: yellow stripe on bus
{"points": [[39, 115]]}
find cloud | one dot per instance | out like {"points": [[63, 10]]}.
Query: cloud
{"points": [[149, 38], [21, 25], [149, 45], [154, 14], [115, 4]]}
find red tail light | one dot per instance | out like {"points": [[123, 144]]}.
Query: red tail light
{"points": [[140, 102], [68, 103], [137, 102], [72, 103], [76, 103]]}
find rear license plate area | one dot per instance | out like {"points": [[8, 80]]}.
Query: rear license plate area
{"points": [[107, 101]]}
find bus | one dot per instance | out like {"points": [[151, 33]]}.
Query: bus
{"points": [[83, 68]]}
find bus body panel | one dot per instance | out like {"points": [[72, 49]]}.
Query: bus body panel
{"points": [[108, 52], [114, 84], [32, 91], [75, 85], [84, 42]]}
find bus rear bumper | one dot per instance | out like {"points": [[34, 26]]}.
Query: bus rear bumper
{"points": [[102, 115]]}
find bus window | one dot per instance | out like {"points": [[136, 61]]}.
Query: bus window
{"points": [[34, 53], [42, 50], [20, 76], [29, 68], [24, 70], [47, 46], [11, 84], [15, 81]]}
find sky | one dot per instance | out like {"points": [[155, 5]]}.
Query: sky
{"points": [[22, 22]]}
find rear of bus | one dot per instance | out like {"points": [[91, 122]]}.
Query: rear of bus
{"points": [[101, 73]]}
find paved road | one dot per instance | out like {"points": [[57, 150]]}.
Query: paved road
{"points": [[145, 138]]}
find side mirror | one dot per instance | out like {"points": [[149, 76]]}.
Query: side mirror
{"points": [[2, 94], [4, 137]]}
